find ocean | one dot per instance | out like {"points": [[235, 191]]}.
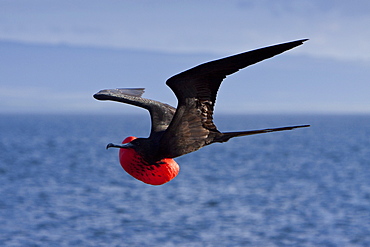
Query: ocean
{"points": [[306, 187]]}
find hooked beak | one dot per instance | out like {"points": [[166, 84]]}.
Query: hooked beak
{"points": [[125, 145]]}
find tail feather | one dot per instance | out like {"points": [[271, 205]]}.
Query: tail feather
{"points": [[228, 135]]}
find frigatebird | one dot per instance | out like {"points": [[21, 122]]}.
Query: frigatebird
{"points": [[190, 126]]}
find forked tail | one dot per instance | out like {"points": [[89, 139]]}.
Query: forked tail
{"points": [[228, 135]]}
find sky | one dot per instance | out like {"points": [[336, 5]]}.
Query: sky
{"points": [[56, 54]]}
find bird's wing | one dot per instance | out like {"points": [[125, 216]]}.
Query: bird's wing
{"points": [[196, 91], [161, 114]]}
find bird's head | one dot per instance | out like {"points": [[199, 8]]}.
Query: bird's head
{"points": [[125, 144], [142, 146]]}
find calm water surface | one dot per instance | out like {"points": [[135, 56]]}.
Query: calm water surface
{"points": [[308, 187]]}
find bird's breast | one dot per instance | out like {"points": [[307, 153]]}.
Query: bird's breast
{"points": [[156, 173]]}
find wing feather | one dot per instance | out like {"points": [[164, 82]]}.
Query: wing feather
{"points": [[161, 114], [196, 91]]}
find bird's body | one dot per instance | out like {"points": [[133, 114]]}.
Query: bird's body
{"points": [[189, 127]]}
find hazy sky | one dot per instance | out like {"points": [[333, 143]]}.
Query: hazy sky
{"points": [[338, 30]]}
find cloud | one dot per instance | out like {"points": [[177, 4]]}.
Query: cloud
{"points": [[337, 29]]}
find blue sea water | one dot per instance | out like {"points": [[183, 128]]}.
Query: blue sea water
{"points": [[307, 187]]}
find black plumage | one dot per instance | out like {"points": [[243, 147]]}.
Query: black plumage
{"points": [[189, 127]]}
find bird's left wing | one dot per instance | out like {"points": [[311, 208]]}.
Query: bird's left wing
{"points": [[161, 114]]}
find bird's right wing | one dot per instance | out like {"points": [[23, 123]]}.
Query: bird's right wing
{"points": [[161, 114], [192, 126]]}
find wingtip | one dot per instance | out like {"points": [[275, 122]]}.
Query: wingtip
{"points": [[102, 94], [297, 42], [97, 95], [293, 44], [304, 40]]}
